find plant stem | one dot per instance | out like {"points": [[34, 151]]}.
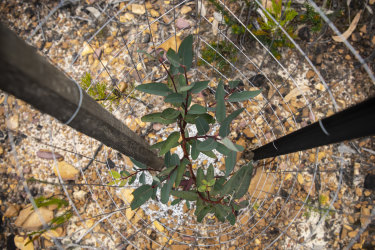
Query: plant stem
{"points": [[201, 136], [169, 74]]}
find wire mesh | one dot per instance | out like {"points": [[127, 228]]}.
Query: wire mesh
{"points": [[306, 199]]}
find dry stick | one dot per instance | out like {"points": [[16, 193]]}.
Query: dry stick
{"points": [[93, 157]]}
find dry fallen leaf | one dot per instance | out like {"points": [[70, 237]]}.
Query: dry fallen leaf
{"points": [[296, 92], [350, 30], [29, 219], [21, 241], [67, 171]]}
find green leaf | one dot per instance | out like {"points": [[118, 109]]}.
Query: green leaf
{"points": [[221, 149], [202, 126], [194, 150], [218, 187], [199, 206], [229, 144], [167, 171], [202, 188], [200, 177], [156, 117], [220, 104], [141, 195], [225, 124], [154, 88], [231, 218], [203, 213], [199, 86], [210, 154], [208, 118], [207, 145], [137, 163], [211, 182], [171, 142], [243, 96], [147, 54], [174, 98], [142, 178], [173, 58], [233, 84], [180, 171], [244, 182], [157, 145], [175, 160], [197, 109], [230, 162], [170, 114], [185, 52], [239, 183], [220, 213], [132, 179], [181, 82], [210, 173], [175, 202], [185, 195], [187, 204], [166, 189], [115, 174], [186, 88]]}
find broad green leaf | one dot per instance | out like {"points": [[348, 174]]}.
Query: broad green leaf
{"points": [[220, 104], [203, 213], [156, 117], [244, 183], [225, 124], [230, 162], [199, 206], [202, 126], [239, 183], [220, 213], [186, 88], [185, 52], [200, 177], [137, 163], [175, 160], [211, 182], [174, 98], [207, 145], [175, 202], [141, 195], [173, 58], [124, 173], [115, 174], [166, 189], [233, 84], [194, 150], [218, 187], [199, 86], [154, 88], [181, 82], [210, 154], [229, 144], [210, 173], [170, 142], [220, 148], [132, 179], [166, 171], [155, 179], [154, 190], [197, 109], [112, 183], [142, 178], [189, 118], [243, 96], [208, 118], [167, 159], [187, 204], [170, 113], [180, 171], [231, 218], [185, 195]]}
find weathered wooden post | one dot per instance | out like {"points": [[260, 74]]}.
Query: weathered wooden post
{"points": [[30, 77]]}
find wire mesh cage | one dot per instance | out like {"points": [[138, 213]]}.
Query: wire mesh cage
{"points": [[320, 197]]}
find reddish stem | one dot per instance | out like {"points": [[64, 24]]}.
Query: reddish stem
{"points": [[169, 74]]}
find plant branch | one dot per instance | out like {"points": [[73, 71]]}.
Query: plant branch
{"points": [[169, 74]]}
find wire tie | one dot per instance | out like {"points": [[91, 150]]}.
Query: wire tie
{"points": [[323, 128], [273, 143], [79, 105]]}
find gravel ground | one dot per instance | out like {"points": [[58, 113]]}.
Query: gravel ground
{"points": [[311, 199]]}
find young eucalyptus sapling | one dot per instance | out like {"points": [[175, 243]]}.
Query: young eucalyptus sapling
{"points": [[219, 195]]}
